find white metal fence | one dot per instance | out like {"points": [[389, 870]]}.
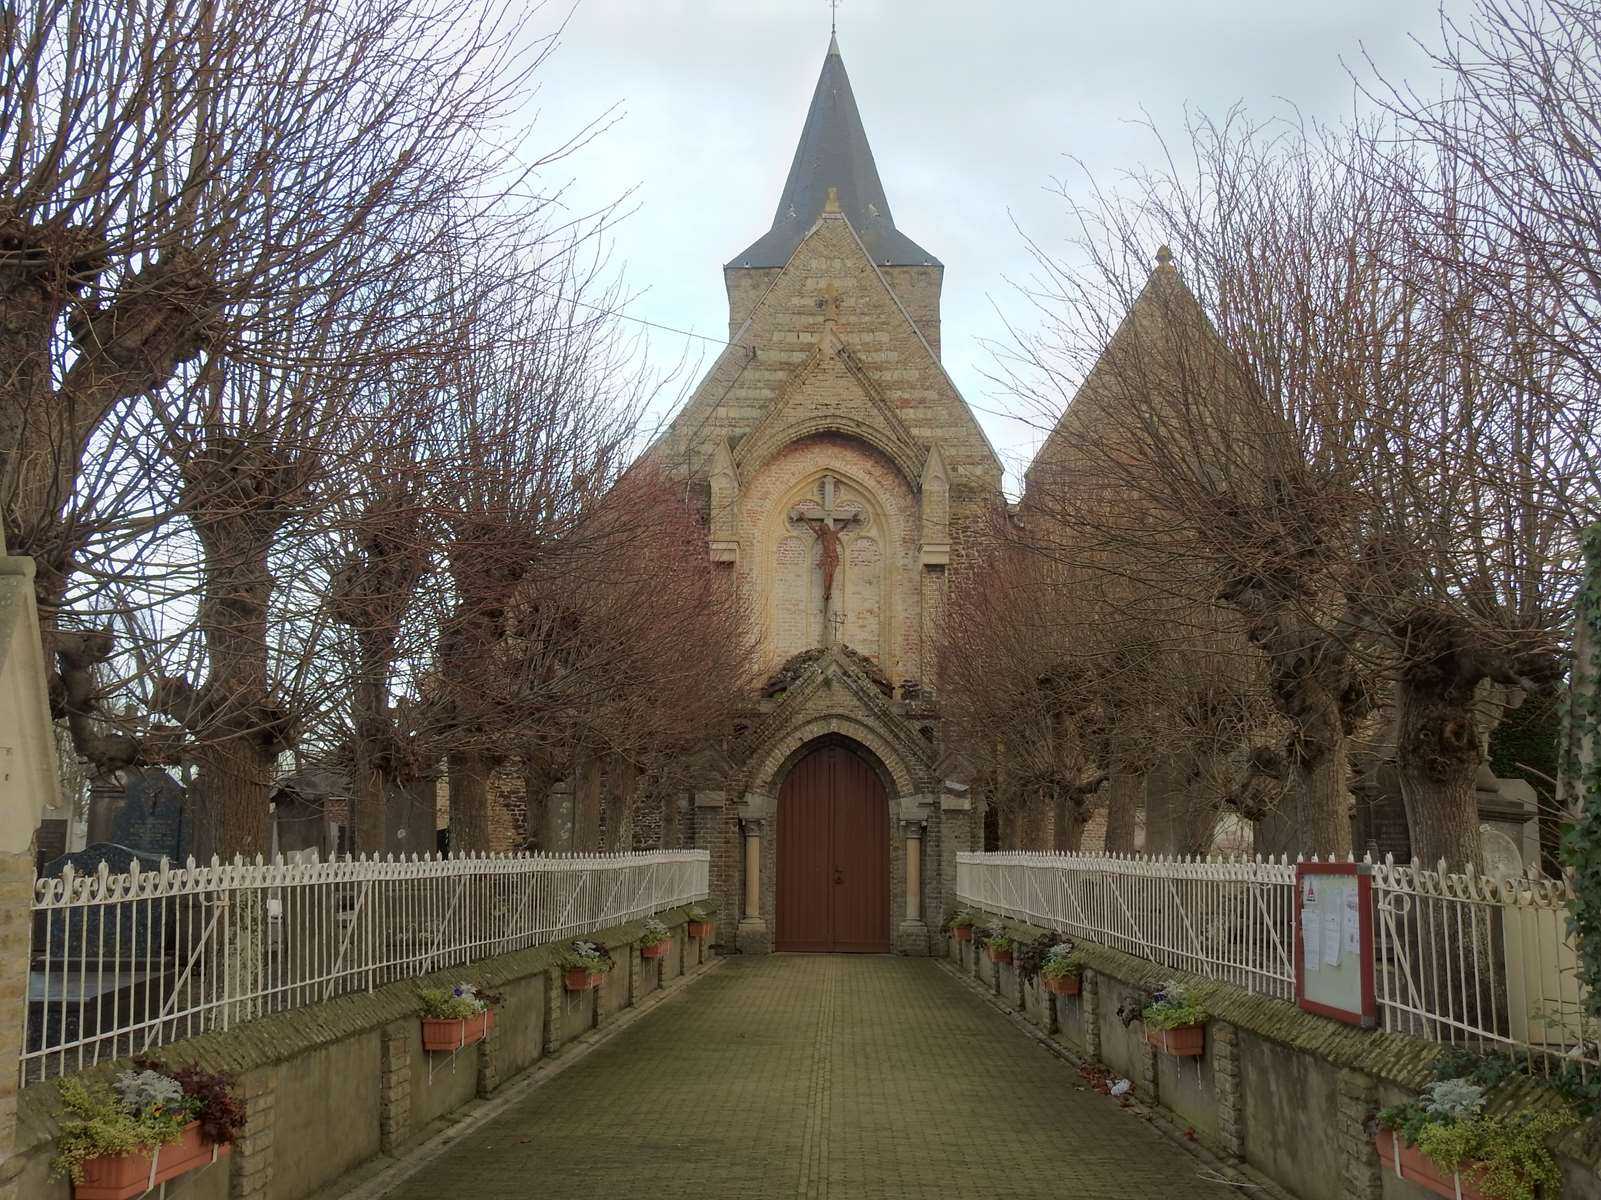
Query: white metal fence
{"points": [[122, 963], [1464, 959]]}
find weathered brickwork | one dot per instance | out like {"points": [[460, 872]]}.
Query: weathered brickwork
{"points": [[1358, 1099], [394, 1087], [250, 1165], [1224, 1042]]}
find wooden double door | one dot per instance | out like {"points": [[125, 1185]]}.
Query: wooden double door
{"points": [[833, 856]]}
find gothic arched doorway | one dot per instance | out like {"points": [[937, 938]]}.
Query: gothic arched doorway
{"points": [[833, 855]]}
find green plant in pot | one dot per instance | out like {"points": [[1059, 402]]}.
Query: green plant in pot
{"points": [[1062, 969], [584, 964], [999, 946], [1175, 1022], [699, 917], [456, 1017], [1443, 1140], [655, 939], [147, 1126], [960, 923]]}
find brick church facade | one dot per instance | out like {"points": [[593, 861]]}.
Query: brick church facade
{"points": [[845, 483]]}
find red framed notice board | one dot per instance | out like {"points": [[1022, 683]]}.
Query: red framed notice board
{"points": [[1334, 941]]}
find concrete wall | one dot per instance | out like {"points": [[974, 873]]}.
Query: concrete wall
{"points": [[332, 1086], [1282, 1090]]}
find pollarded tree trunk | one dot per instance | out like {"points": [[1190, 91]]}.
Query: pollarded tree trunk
{"points": [[622, 780], [1437, 760], [1321, 821], [1123, 796], [586, 804], [469, 800], [538, 779]]}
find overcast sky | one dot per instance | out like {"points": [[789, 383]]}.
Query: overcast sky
{"points": [[972, 109]]}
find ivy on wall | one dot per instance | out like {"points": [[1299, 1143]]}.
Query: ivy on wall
{"points": [[1581, 844]]}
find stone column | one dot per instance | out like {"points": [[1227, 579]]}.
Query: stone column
{"points": [[1363, 1177], [394, 1087], [27, 780], [912, 938], [1224, 1045], [754, 937], [250, 1164]]}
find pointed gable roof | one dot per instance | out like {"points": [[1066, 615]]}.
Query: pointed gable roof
{"points": [[833, 153]]}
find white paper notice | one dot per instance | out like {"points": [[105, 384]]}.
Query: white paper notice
{"points": [[1311, 939], [1331, 937], [1353, 925]]}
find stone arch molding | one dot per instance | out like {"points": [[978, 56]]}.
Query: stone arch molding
{"points": [[764, 779]]}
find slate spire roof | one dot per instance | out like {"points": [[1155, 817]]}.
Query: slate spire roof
{"points": [[833, 153]]}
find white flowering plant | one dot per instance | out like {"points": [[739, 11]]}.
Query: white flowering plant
{"points": [[581, 955], [654, 933]]}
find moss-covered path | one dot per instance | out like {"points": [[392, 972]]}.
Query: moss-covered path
{"points": [[812, 1076]]}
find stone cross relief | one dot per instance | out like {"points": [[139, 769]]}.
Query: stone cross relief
{"points": [[827, 523]]}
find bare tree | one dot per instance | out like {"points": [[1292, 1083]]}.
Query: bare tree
{"points": [[177, 177]]}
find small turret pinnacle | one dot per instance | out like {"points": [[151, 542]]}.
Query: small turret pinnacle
{"points": [[1164, 257]]}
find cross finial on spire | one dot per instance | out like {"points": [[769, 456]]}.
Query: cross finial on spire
{"points": [[833, 17]]}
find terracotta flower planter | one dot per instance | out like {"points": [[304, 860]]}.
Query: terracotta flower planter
{"points": [[125, 1176], [659, 950], [1417, 1167], [998, 956], [445, 1035], [701, 930], [1067, 985], [577, 979], [1187, 1041], [962, 933]]}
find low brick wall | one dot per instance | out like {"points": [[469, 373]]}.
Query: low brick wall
{"points": [[331, 1086], [1282, 1090]]}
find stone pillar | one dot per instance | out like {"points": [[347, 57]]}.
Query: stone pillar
{"points": [[1223, 1042], [250, 1164], [394, 1087], [551, 1039], [1090, 1007], [1364, 1178], [913, 936], [488, 1064], [1148, 1068], [27, 780], [753, 937]]}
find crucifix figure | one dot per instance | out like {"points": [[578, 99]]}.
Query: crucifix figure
{"points": [[827, 524]]}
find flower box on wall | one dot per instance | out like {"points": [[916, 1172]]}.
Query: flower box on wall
{"points": [[701, 930], [998, 956], [1063, 985], [962, 933], [1402, 1159], [444, 1034], [125, 1176], [659, 950], [577, 979], [1186, 1041]]}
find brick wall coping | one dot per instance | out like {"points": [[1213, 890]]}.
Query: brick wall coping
{"points": [[280, 1037]]}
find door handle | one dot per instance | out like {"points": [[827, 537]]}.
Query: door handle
{"points": [[839, 875]]}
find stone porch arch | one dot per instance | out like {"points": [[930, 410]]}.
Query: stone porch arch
{"points": [[769, 771]]}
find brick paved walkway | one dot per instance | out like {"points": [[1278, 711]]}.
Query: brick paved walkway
{"points": [[812, 1076]]}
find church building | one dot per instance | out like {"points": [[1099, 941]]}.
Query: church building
{"points": [[845, 483]]}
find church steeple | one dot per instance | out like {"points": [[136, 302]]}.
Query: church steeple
{"points": [[833, 154]]}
